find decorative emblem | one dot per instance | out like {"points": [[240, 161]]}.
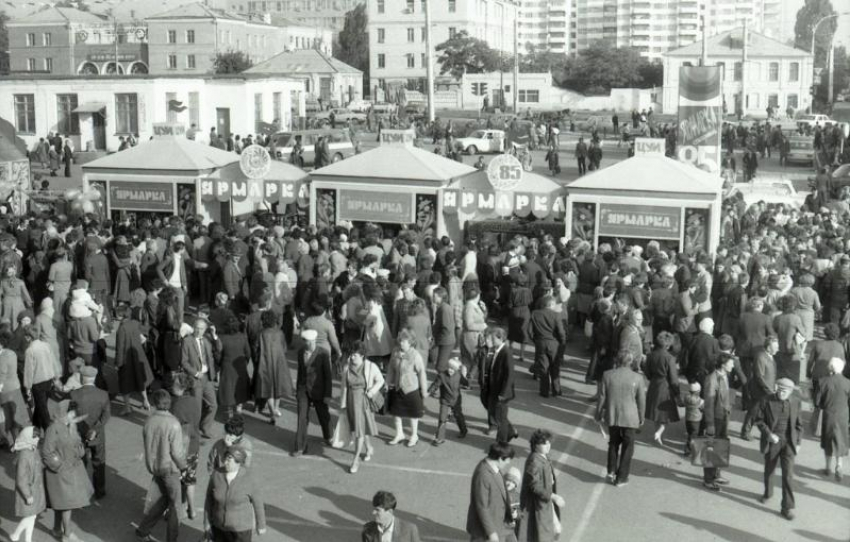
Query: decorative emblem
{"points": [[141, 34], [82, 36], [255, 162], [504, 172]]}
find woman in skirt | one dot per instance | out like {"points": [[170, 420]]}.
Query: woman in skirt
{"points": [[408, 385], [362, 381]]}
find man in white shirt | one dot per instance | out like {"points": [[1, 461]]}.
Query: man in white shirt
{"points": [[198, 361]]}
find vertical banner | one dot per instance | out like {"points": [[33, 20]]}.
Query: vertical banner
{"points": [[700, 117]]}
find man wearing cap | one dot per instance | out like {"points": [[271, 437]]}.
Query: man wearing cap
{"points": [[781, 426], [93, 405], [718, 407], [314, 387], [198, 361]]}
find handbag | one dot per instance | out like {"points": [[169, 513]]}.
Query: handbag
{"points": [[710, 452], [378, 402]]}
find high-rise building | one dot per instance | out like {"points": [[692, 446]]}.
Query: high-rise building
{"points": [[397, 52], [768, 17], [545, 25]]}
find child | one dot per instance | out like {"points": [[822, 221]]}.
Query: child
{"points": [[693, 413], [30, 500], [451, 399], [513, 479]]}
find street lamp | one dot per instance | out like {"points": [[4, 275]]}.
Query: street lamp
{"points": [[814, 34]]}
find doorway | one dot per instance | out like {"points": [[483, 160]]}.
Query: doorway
{"points": [[99, 128], [222, 115]]}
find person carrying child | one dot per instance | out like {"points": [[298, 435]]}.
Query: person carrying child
{"points": [[451, 399]]}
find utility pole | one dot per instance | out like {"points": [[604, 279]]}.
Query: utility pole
{"points": [[744, 52], [831, 67], [516, 58], [703, 61], [429, 56], [115, 39]]}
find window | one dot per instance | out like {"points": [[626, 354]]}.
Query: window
{"points": [[47, 39], [31, 64], [773, 100], [172, 62], [48, 65], [194, 109], [792, 100], [126, 114], [739, 71], [258, 112], [529, 96], [410, 61], [172, 36], [25, 113], [190, 36], [190, 62], [382, 35], [773, 71], [277, 108], [381, 6], [424, 60], [411, 32], [410, 5], [794, 72], [452, 32], [382, 60], [452, 6], [422, 32], [31, 40]]}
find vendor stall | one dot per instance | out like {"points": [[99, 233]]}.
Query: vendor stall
{"points": [[173, 176], [395, 186], [647, 197], [14, 176]]}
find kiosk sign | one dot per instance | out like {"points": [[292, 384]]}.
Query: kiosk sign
{"points": [[368, 206], [645, 221], [137, 196], [651, 146], [504, 172]]}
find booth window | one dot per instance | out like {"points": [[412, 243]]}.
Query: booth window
{"points": [[25, 113], [127, 113], [67, 122]]}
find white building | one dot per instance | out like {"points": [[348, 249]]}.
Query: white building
{"points": [[397, 34], [545, 25], [774, 74], [325, 78], [95, 112]]}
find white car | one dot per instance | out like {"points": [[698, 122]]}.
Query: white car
{"points": [[769, 190], [813, 120], [483, 141], [359, 106], [341, 115]]}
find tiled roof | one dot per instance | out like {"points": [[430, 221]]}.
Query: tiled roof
{"points": [[302, 61], [731, 43], [58, 15]]}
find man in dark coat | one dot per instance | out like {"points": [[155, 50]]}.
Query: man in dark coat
{"points": [[581, 156], [93, 404], [761, 381], [703, 353], [837, 285], [781, 426], [383, 510], [442, 329], [548, 333], [716, 413], [497, 384], [489, 503], [314, 387]]}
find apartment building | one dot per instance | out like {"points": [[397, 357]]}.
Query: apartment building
{"points": [[762, 16], [329, 14], [545, 25], [397, 53]]}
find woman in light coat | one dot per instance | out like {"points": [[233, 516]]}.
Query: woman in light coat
{"points": [[474, 324], [808, 304], [362, 380], [408, 386]]}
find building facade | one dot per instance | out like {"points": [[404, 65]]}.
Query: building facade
{"points": [[545, 25], [325, 78], [95, 111], [774, 74], [298, 35], [66, 41], [327, 14], [397, 52], [762, 16]]}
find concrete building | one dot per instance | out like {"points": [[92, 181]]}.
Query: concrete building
{"points": [[329, 14], [186, 40], [774, 74], [96, 111], [324, 77], [67, 41], [762, 16], [298, 35], [397, 34], [545, 25]]}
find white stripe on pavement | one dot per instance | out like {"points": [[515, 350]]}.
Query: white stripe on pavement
{"points": [[370, 464], [589, 508]]}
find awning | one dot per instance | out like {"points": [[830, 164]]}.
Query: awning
{"points": [[91, 107]]}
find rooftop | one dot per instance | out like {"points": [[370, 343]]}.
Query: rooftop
{"points": [[301, 61], [650, 173], [731, 43], [53, 15], [198, 10], [166, 154], [396, 162]]}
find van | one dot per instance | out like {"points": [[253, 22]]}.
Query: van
{"points": [[340, 144]]}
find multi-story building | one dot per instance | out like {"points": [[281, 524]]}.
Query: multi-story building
{"points": [[298, 35], [397, 52], [67, 41], [545, 25], [320, 13], [186, 40], [650, 27], [774, 74]]}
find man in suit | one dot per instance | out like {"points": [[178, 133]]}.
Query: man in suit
{"points": [[386, 527], [92, 403], [500, 384], [172, 270], [621, 405], [96, 271], [198, 361], [314, 387], [442, 329], [718, 407], [781, 426], [547, 330], [703, 353], [761, 381], [233, 279], [489, 515]]}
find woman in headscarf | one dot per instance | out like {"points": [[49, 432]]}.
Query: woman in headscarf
{"points": [[234, 386], [122, 261], [49, 326], [808, 304], [663, 391], [134, 371], [168, 332], [833, 399], [272, 381], [59, 277], [15, 296]]}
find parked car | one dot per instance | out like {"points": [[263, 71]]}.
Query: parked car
{"points": [[359, 106], [812, 120], [802, 149], [483, 141], [597, 122], [417, 110], [769, 190], [341, 115], [384, 108], [340, 144]]}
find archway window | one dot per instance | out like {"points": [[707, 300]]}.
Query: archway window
{"points": [[87, 68]]}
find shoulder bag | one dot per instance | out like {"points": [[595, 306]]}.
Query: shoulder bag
{"points": [[376, 403]]}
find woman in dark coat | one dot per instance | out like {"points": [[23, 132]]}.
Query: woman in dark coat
{"points": [[272, 379], [833, 399], [68, 485], [134, 371], [520, 313], [663, 391], [234, 386], [168, 326], [122, 261], [539, 501], [817, 367]]}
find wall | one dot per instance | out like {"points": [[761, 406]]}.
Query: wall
{"points": [[59, 51], [548, 95]]}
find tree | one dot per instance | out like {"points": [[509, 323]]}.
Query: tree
{"points": [[541, 60], [231, 62], [841, 77], [352, 44], [600, 67], [4, 44], [807, 17], [652, 74], [462, 54]]}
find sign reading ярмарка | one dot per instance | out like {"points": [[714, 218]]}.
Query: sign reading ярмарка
{"points": [[645, 221], [369, 206], [139, 196]]}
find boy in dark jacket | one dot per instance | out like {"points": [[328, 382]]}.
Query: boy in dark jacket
{"points": [[451, 399]]}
